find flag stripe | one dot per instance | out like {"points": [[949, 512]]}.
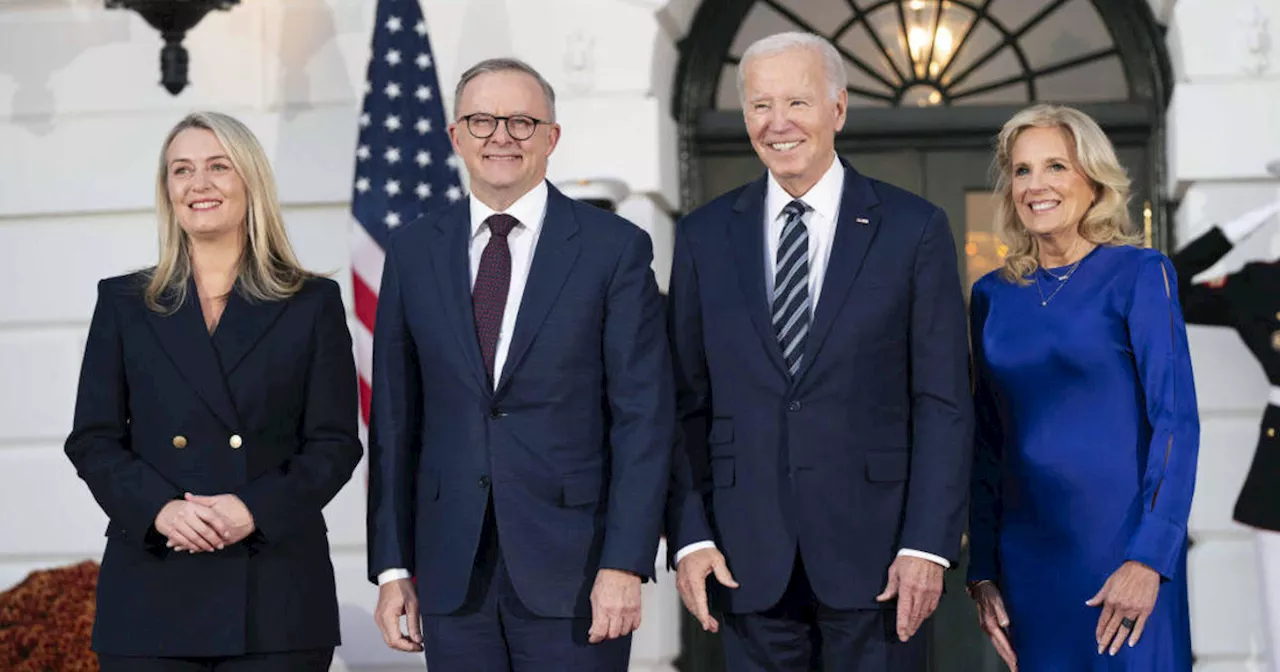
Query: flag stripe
{"points": [[404, 163]]}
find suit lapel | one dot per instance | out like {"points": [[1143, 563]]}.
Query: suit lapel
{"points": [[185, 339], [450, 257], [857, 226], [746, 237], [241, 327], [554, 257]]}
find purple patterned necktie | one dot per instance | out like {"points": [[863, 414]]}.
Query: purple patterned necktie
{"points": [[493, 281]]}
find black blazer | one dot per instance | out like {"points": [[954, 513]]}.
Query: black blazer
{"points": [[1248, 301], [264, 409]]}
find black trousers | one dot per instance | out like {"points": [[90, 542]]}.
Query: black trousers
{"points": [[315, 660], [800, 634]]}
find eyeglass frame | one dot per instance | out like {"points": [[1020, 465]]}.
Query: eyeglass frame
{"points": [[466, 118]]}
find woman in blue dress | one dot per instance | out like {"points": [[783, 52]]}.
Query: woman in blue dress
{"points": [[1087, 430]]}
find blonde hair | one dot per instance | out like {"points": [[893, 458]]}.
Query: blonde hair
{"points": [[269, 270], [1106, 222]]}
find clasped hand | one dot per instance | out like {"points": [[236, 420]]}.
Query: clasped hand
{"points": [[198, 524]]}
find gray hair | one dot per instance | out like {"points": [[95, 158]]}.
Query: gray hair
{"points": [[837, 78], [504, 65]]}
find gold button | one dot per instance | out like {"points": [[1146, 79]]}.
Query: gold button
{"points": [[236, 441], [179, 441], [1271, 432]]}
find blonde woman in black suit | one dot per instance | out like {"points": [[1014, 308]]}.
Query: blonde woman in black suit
{"points": [[216, 416]]}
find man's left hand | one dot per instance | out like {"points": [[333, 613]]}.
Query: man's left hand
{"points": [[615, 605], [918, 585], [233, 510]]}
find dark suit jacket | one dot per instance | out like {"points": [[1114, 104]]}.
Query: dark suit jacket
{"points": [[867, 450], [158, 406], [575, 444], [1249, 302]]}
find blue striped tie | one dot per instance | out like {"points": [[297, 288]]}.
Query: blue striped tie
{"points": [[791, 286]]}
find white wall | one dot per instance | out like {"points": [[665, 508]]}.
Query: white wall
{"points": [[1223, 131]]}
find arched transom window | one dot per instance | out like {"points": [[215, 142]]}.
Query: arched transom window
{"points": [[950, 52]]}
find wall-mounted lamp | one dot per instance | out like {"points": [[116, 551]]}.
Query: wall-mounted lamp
{"points": [[173, 18]]}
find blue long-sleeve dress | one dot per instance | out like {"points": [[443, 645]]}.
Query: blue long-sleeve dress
{"points": [[1087, 435]]}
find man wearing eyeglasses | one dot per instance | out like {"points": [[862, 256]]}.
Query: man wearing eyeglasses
{"points": [[523, 410]]}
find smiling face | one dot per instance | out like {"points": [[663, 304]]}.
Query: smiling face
{"points": [[501, 168], [1051, 194], [791, 116], [207, 194]]}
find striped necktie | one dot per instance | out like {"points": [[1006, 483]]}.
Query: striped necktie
{"points": [[791, 286]]}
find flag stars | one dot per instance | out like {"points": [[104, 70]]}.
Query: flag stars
{"points": [[420, 28], [362, 185], [362, 152], [423, 94], [393, 57], [423, 126], [423, 159], [452, 161], [392, 219], [392, 155], [365, 120], [392, 90], [423, 190], [392, 188], [423, 61], [392, 123], [453, 194], [394, 25]]}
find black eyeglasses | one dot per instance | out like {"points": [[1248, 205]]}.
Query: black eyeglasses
{"points": [[519, 126]]}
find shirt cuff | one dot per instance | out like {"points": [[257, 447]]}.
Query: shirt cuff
{"points": [[696, 546], [389, 575], [946, 564]]}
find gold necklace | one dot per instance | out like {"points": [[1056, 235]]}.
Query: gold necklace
{"points": [[1062, 281]]}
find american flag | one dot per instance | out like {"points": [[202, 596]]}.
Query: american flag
{"points": [[405, 165]]}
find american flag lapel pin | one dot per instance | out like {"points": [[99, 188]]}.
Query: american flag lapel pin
{"points": [[862, 220]]}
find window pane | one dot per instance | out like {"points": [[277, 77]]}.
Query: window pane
{"points": [[727, 90], [858, 42], [888, 28], [981, 39], [1097, 81], [761, 21], [823, 16], [1003, 66], [1073, 30]]}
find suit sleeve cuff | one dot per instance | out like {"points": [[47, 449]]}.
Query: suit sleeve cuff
{"points": [[389, 575], [696, 546], [946, 564]]}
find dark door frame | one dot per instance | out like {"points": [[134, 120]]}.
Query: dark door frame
{"points": [[1138, 38]]}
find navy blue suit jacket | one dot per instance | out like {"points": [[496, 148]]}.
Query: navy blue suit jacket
{"points": [[158, 403], [867, 450], [574, 444]]}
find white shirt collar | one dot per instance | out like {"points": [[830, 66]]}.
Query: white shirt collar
{"points": [[528, 209], [823, 197]]}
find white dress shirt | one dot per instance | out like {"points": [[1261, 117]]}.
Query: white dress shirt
{"points": [[530, 210], [823, 199]]}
